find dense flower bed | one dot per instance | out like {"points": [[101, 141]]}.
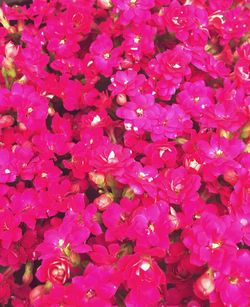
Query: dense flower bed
{"points": [[125, 153]]}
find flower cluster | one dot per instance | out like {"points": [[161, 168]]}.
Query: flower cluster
{"points": [[125, 153]]}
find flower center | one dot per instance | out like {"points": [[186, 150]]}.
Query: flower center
{"points": [[215, 245], [150, 229], [90, 294], [219, 153], [233, 280], [106, 55], [133, 2], [196, 99], [95, 120], [139, 112], [137, 39]]}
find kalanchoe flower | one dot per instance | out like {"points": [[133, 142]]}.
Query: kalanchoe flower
{"points": [[133, 10], [9, 230], [127, 82], [195, 98], [140, 179], [218, 155], [179, 186], [8, 172], [213, 240], [98, 285], [150, 226], [69, 237], [26, 206], [234, 286], [111, 158], [136, 112], [104, 56], [179, 19], [169, 121], [139, 40]]}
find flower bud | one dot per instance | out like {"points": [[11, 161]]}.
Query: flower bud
{"points": [[97, 178], [230, 176], [245, 132], [36, 293], [59, 271], [104, 4], [28, 273], [11, 51], [121, 99], [204, 285], [6, 121], [128, 193], [75, 259], [103, 201]]}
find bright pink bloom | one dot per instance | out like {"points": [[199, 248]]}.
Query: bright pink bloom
{"points": [[195, 98], [69, 237], [98, 285], [104, 56], [179, 186], [127, 82], [9, 230], [133, 10]]}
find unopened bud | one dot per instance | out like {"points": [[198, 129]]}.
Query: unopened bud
{"points": [[204, 285], [36, 293], [28, 273], [230, 176], [121, 99], [11, 50], [245, 132], [104, 4], [75, 259], [6, 121], [129, 193], [97, 178], [103, 201]]}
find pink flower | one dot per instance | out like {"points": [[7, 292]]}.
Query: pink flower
{"points": [[174, 63], [111, 158], [141, 179], [179, 186], [136, 111], [212, 240], [133, 10], [160, 153], [26, 206], [69, 237], [219, 155], [179, 19], [104, 56], [139, 40], [8, 171], [9, 230], [117, 219], [195, 98], [127, 82], [98, 285], [150, 226], [234, 286], [139, 269], [170, 121]]}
